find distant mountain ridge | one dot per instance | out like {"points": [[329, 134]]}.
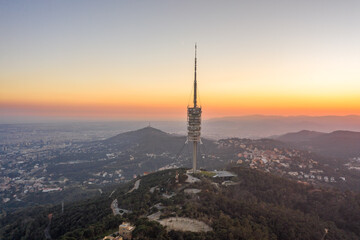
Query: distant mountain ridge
{"points": [[302, 136], [340, 143], [260, 126]]}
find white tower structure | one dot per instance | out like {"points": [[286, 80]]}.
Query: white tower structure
{"points": [[194, 120]]}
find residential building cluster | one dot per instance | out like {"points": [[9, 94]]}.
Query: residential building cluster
{"points": [[281, 160]]}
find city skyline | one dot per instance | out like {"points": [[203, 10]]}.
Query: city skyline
{"points": [[133, 60]]}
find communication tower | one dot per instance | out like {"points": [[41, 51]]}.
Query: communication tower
{"points": [[194, 120]]}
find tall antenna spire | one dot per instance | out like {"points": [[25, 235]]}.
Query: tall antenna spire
{"points": [[195, 82]]}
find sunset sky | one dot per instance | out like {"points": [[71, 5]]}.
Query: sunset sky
{"points": [[118, 60]]}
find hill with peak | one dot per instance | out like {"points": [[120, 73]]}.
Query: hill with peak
{"points": [[339, 144], [138, 134], [148, 139]]}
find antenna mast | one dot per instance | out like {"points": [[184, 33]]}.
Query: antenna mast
{"points": [[195, 82]]}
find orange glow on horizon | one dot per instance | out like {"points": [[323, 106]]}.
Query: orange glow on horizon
{"points": [[157, 108]]}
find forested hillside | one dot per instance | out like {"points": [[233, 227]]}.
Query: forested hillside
{"points": [[257, 205]]}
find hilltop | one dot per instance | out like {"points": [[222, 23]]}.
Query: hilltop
{"points": [[255, 205]]}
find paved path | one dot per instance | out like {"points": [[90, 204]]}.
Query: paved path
{"points": [[136, 186]]}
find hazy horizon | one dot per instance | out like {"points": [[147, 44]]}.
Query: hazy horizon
{"points": [[47, 119], [250, 126]]}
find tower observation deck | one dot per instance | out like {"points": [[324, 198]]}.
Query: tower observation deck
{"points": [[194, 120]]}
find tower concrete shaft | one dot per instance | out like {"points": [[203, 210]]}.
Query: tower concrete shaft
{"points": [[194, 156], [194, 119]]}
